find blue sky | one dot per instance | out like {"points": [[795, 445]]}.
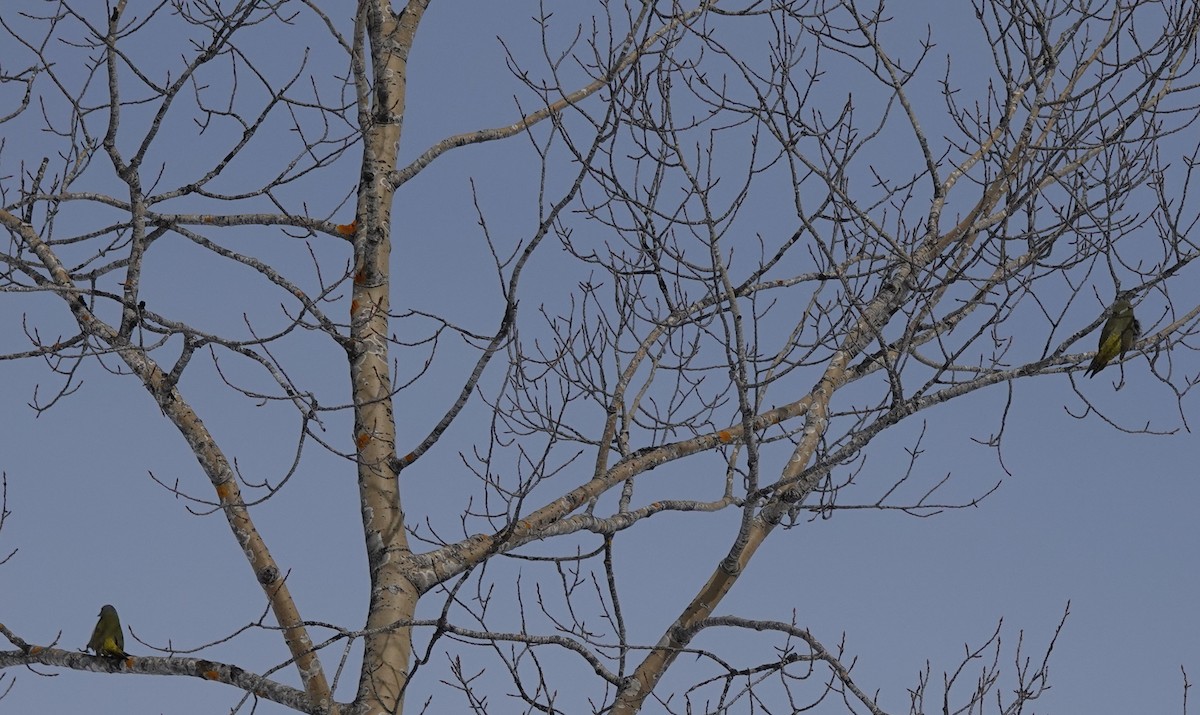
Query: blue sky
{"points": [[1085, 513]]}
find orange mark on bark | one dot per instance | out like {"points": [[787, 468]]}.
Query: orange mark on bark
{"points": [[348, 229], [360, 277], [362, 440], [224, 490], [725, 436], [212, 675], [354, 306]]}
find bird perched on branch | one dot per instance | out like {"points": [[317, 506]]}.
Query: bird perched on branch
{"points": [[1119, 333], [108, 639]]}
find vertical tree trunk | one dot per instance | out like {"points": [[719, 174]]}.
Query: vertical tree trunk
{"points": [[388, 647]]}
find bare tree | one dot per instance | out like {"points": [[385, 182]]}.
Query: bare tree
{"points": [[764, 233]]}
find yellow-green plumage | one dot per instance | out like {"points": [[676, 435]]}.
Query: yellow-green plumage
{"points": [[107, 638], [1118, 335]]}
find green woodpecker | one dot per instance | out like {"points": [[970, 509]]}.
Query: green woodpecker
{"points": [[108, 639], [1118, 335]]}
